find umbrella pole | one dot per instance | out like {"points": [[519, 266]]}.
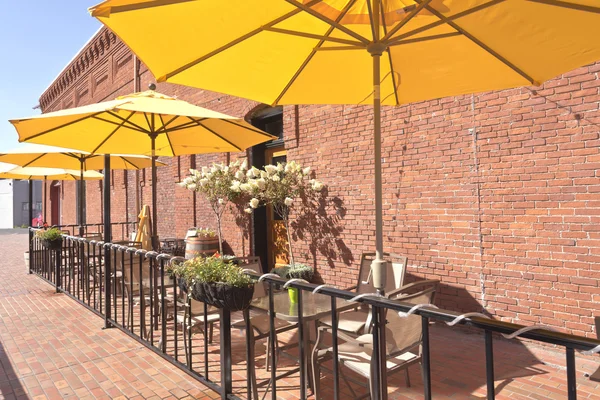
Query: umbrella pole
{"points": [[107, 239], [45, 202], [80, 205], [154, 201], [378, 266]]}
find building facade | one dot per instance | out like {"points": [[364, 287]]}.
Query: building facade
{"points": [[14, 203], [495, 194]]}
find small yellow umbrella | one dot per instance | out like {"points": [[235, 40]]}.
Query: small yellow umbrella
{"points": [[36, 173], [147, 123], [143, 234], [57, 174], [356, 51], [38, 155]]}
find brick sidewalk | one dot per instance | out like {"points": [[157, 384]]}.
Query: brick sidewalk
{"points": [[53, 348]]}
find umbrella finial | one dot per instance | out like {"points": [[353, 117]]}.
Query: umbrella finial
{"points": [[152, 86]]}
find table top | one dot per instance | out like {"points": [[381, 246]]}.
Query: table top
{"points": [[315, 306]]}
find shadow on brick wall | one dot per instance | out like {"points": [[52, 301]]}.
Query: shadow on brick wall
{"points": [[318, 224]]}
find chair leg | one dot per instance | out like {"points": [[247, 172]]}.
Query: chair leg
{"points": [[407, 377], [210, 332], [268, 352], [316, 371]]}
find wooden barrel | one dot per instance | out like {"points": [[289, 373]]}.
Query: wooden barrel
{"points": [[201, 246]]}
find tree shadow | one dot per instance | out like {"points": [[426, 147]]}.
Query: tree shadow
{"points": [[318, 225]]}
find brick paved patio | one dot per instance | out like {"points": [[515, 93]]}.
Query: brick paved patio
{"points": [[51, 347]]}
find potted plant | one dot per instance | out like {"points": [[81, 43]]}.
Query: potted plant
{"points": [[220, 184], [279, 185], [201, 242], [215, 281], [295, 271], [51, 238]]}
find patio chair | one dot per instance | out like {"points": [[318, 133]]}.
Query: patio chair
{"points": [[353, 322], [137, 287], [193, 319], [403, 339], [260, 323]]}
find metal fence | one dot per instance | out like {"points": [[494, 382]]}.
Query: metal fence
{"points": [[134, 292]]}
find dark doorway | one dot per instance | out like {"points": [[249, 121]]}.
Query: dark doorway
{"points": [[55, 203], [269, 119]]}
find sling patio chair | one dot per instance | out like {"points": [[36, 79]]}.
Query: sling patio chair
{"points": [[353, 322], [404, 338], [140, 287], [260, 323]]}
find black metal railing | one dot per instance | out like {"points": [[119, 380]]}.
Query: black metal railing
{"points": [[134, 292]]}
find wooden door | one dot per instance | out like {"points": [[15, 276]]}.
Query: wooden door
{"points": [[277, 243], [54, 203]]}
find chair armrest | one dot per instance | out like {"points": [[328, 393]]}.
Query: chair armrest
{"points": [[350, 288], [394, 292]]}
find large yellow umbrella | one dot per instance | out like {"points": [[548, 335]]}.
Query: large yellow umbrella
{"points": [[142, 123], [356, 51], [38, 155]]}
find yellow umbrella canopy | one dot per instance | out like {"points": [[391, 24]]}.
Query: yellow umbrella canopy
{"points": [[356, 51], [127, 125], [38, 155], [37, 173], [318, 51]]}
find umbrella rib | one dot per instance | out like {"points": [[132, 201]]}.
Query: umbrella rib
{"points": [[139, 6], [340, 48], [481, 44], [34, 160], [307, 8], [183, 126], [61, 126], [234, 42], [112, 133], [116, 123], [371, 20], [216, 134], [250, 129], [129, 162], [167, 134], [164, 127], [389, 53], [566, 4], [424, 38], [312, 53], [313, 36], [405, 20], [450, 18], [126, 120]]}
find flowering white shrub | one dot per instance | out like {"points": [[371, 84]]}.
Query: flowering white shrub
{"points": [[278, 185], [220, 184]]}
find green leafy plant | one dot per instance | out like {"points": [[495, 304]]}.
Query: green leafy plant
{"points": [[50, 234], [205, 233], [295, 271], [212, 270]]}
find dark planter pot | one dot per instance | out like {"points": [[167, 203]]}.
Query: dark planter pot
{"points": [[222, 295], [55, 244], [182, 284]]}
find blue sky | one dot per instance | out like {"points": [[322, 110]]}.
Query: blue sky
{"points": [[37, 39]]}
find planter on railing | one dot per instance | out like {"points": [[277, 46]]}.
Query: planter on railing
{"points": [[55, 244], [222, 295]]}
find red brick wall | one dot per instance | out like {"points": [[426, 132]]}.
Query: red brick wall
{"points": [[496, 194]]}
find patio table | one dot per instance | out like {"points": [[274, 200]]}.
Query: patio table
{"points": [[314, 307]]}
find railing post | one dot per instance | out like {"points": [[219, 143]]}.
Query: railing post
{"points": [[58, 261], [571, 374], [30, 222], [489, 365], [426, 359], [107, 240], [226, 381]]}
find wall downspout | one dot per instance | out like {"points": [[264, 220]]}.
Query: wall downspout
{"points": [[136, 88]]}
